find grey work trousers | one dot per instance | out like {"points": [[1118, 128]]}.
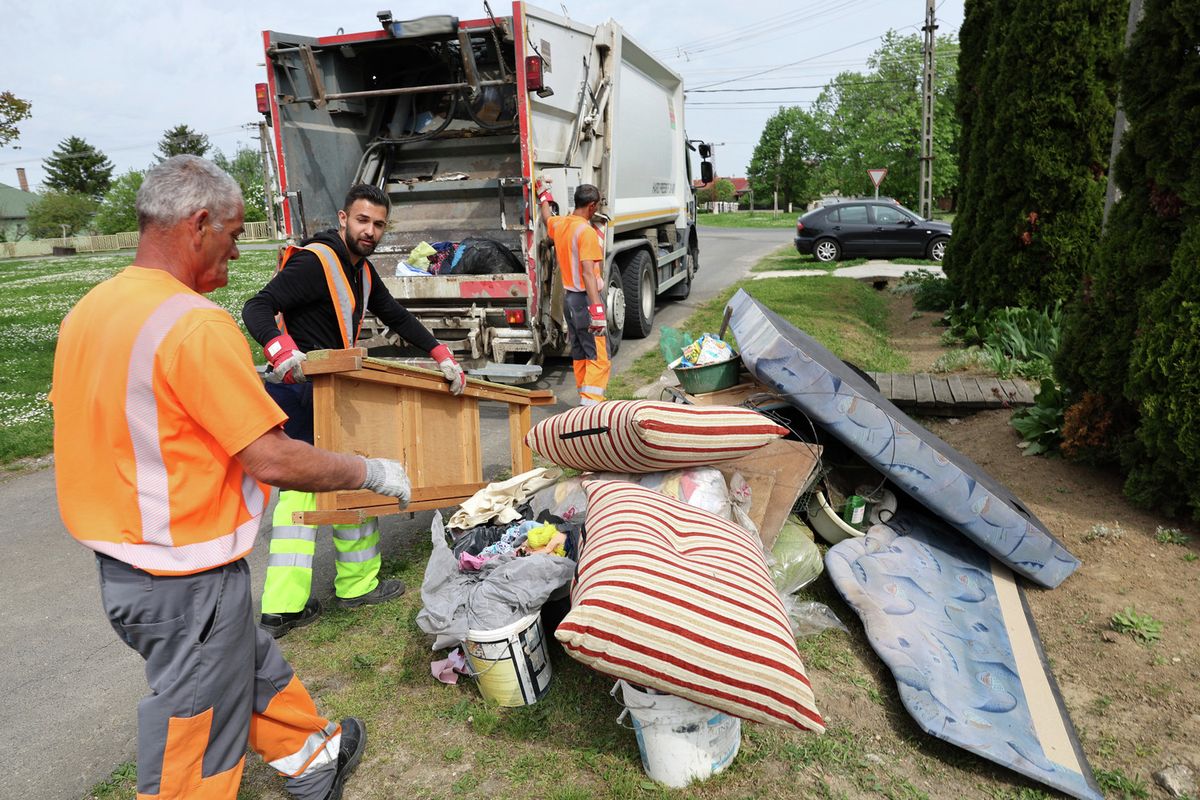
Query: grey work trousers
{"points": [[211, 670]]}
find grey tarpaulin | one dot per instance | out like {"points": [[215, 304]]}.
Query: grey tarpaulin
{"points": [[506, 589]]}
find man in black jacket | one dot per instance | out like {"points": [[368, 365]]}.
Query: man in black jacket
{"points": [[321, 293]]}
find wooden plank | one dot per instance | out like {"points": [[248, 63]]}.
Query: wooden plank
{"points": [[325, 366], [924, 387], [884, 380], [519, 420], [957, 390], [1026, 392], [974, 392], [990, 389], [904, 389], [941, 391], [733, 396]]}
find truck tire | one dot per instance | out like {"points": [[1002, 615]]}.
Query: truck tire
{"points": [[638, 280], [614, 301], [683, 289]]}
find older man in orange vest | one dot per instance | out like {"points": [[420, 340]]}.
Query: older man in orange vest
{"points": [[163, 441]]}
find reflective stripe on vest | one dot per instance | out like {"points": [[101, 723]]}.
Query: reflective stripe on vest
{"points": [[576, 269], [340, 292], [158, 552]]}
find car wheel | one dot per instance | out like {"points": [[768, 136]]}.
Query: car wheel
{"points": [[638, 279], [827, 250], [614, 301], [937, 248], [681, 290]]}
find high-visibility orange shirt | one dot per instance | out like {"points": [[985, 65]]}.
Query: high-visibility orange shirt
{"points": [[575, 241], [154, 391]]}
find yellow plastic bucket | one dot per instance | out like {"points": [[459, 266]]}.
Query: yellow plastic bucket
{"points": [[510, 664]]}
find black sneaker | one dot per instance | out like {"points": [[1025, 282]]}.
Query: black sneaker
{"points": [[354, 741], [279, 624], [386, 590]]}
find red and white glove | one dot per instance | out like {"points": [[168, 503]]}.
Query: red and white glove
{"points": [[542, 190], [450, 369], [285, 359], [597, 322]]}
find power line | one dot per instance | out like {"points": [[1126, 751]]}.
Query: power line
{"points": [[868, 82], [792, 64]]}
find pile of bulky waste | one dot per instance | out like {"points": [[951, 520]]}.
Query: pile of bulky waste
{"points": [[671, 538]]}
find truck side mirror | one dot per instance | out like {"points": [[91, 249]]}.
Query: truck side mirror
{"points": [[706, 171]]}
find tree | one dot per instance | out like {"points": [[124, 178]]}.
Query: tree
{"points": [[118, 212], [719, 191], [12, 110], [784, 158], [1040, 138], [76, 166], [246, 167], [53, 210], [873, 120], [182, 140]]}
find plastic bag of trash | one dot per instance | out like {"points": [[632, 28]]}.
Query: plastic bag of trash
{"points": [[503, 591], [419, 256], [808, 617], [671, 343], [796, 558]]}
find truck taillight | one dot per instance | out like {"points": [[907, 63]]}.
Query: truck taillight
{"points": [[535, 79], [260, 94], [514, 316]]}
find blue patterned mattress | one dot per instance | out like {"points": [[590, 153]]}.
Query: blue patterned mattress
{"points": [[953, 627], [946, 482]]}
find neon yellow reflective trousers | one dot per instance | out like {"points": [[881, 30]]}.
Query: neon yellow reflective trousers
{"points": [[289, 567]]}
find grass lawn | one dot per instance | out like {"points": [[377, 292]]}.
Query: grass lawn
{"points": [[37, 294], [749, 219]]}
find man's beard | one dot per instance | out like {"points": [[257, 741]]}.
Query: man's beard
{"points": [[357, 251]]}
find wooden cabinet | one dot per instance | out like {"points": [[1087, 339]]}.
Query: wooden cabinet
{"points": [[380, 409]]}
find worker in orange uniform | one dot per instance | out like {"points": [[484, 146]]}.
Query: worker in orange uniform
{"points": [[316, 301], [163, 441], [580, 255]]}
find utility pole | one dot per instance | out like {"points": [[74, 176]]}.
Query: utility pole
{"points": [[925, 203], [1111, 192], [268, 195]]}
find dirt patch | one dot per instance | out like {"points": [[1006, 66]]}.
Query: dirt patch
{"points": [[1135, 705]]}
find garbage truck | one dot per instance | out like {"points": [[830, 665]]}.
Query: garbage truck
{"points": [[458, 121]]}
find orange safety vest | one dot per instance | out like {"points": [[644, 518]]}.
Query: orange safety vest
{"points": [[340, 292], [154, 394], [575, 241]]}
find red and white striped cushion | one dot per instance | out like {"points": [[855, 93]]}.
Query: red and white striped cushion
{"points": [[680, 600], [645, 436]]}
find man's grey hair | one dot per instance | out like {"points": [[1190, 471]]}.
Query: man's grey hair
{"points": [[181, 186]]}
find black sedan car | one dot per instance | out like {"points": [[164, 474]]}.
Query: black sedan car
{"points": [[870, 228]]}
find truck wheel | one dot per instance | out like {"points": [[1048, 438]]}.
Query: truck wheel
{"points": [[614, 300], [638, 279], [681, 290]]}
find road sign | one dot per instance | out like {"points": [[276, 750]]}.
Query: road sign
{"points": [[877, 176]]}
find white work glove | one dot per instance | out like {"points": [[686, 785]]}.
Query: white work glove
{"points": [[450, 368], [285, 359], [597, 322], [387, 477]]}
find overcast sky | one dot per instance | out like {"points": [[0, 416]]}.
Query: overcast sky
{"points": [[119, 73]]}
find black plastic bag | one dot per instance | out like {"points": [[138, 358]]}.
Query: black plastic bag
{"points": [[478, 256]]}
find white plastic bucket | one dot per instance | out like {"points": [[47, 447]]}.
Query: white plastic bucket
{"points": [[680, 741], [510, 663]]}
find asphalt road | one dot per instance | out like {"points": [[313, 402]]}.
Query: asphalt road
{"points": [[74, 687]]}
